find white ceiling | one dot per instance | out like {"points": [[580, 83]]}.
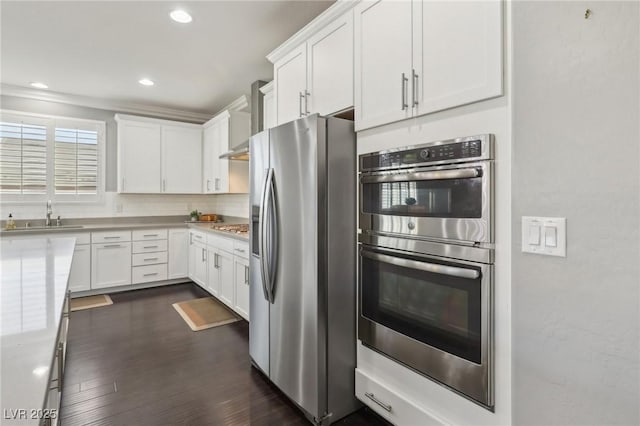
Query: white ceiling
{"points": [[101, 49]]}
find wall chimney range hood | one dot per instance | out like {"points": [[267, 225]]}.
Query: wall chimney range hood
{"points": [[240, 152]]}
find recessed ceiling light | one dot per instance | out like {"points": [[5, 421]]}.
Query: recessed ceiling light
{"points": [[39, 85], [181, 16], [40, 371], [146, 82]]}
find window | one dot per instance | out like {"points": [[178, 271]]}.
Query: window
{"points": [[50, 158]]}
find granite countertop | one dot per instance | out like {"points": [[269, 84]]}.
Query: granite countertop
{"points": [[34, 275], [207, 228]]}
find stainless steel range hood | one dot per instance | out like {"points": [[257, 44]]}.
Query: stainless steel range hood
{"points": [[240, 152]]}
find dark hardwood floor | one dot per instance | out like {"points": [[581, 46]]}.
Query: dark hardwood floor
{"points": [[136, 362]]}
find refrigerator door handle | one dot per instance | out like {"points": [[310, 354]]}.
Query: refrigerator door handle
{"points": [[272, 237], [262, 236]]}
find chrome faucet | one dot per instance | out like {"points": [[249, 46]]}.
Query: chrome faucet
{"points": [[47, 221]]}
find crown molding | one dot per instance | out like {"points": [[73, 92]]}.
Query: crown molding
{"points": [[238, 105], [267, 88], [138, 119], [319, 22], [111, 105]]}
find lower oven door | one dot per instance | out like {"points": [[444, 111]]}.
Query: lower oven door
{"points": [[432, 314]]}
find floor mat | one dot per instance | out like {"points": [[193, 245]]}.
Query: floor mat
{"points": [[204, 313]]}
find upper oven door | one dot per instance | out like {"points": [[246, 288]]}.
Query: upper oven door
{"points": [[451, 202]]}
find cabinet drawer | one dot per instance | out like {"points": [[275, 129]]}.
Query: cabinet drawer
{"points": [[149, 234], [149, 258], [389, 404], [149, 246], [221, 243], [148, 273], [110, 237], [195, 236], [240, 248]]}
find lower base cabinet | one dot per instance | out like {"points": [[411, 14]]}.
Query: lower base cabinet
{"points": [[225, 269], [241, 283], [110, 264], [80, 274]]}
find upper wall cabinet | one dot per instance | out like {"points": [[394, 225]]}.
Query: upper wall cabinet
{"points": [[158, 156], [313, 71], [268, 106], [419, 57], [222, 133]]}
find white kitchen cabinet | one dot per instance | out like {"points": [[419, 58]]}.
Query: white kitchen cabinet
{"points": [[410, 61], [316, 76], [158, 156], [110, 264], [139, 157], [213, 278], [268, 106], [80, 274], [383, 57], [181, 160], [330, 67], [198, 258], [178, 254], [227, 284], [290, 76], [456, 64], [221, 134], [241, 283]]}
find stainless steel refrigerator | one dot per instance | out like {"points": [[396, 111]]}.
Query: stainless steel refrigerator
{"points": [[302, 333]]}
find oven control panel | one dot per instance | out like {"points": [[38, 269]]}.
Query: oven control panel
{"points": [[452, 151]]}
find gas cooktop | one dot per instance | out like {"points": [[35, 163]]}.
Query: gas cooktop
{"points": [[242, 228]]}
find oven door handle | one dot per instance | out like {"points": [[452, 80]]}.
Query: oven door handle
{"points": [[433, 175], [435, 268]]}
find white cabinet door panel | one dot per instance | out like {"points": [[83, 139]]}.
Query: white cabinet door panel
{"points": [[241, 275], [209, 159], [181, 160], [80, 275], [139, 157], [227, 283], [383, 53], [110, 265], [178, 262], [457, 64], [213, 281], [330, 67], [290, 84]]}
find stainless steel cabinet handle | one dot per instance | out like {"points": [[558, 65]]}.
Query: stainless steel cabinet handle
{"points": [[246, 275], [216, 260], [203, 258], [300, 97], [372, 397], [146, 247], [435, 175], [60, 365], [150, 258], [403, 89], [208, 182], [414, 89], [240, 250], [306, 102], [111, 238], [435, 268], [150, 235], [112, 245], [150, 274]]}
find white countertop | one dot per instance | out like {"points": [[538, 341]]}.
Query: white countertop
{"points": [[34, 279]]}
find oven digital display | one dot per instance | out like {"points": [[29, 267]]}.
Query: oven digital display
{"points": [[424, 155]]}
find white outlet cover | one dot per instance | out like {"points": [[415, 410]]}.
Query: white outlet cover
{"points": [[547, 228]]}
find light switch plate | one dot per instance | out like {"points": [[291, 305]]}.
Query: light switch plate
{"points": [[549, 232]]}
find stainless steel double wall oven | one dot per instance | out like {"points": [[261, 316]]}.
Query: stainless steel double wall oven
{"points": [[426, 260]]}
